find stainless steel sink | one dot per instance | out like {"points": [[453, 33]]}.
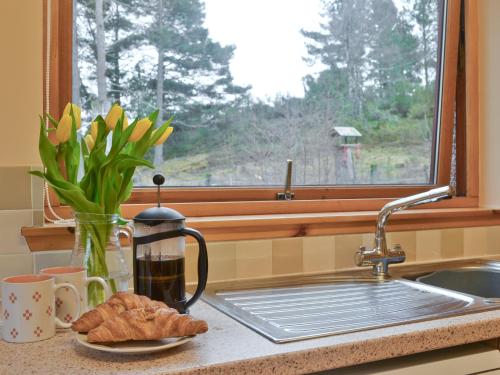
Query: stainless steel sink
{"points": [[480, 281], [292, 309]]}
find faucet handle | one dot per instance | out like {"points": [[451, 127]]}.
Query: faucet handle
{"points": [[397, 254], [362, 257]]}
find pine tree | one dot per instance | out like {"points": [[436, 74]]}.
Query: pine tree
{"points": [[425, 16], [393, 57], [192, 77], [341, 45], [105, 32]]}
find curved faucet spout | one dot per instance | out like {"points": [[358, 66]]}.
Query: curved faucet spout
{"points": [[430, 196], [380, 257]]}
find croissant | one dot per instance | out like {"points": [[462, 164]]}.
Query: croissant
{"points": [[117, 303], [146, 324]]}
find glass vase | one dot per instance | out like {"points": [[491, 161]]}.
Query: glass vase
{"points": [[97, 249]]}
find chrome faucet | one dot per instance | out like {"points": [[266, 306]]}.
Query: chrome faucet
{"points": [[380, 256]]}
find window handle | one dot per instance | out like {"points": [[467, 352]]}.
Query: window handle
{"points": [[287, 195]]}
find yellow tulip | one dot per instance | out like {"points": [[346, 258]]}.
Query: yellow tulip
{"points": [[89, 141], [141, 127], [164, 136], [77, 112], [94, 129], [114, 115], [63, 131]]}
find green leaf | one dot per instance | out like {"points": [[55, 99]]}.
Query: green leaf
{"points": [[52, 120], [102, 130], [153, 116], [72, 153], [127, 162], [70, 193], [48, 152]]}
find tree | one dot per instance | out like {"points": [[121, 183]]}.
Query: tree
{"points": [[394, 62], [100, 55], [192, 77], [424, 14], [105, 32], [341, 45]]}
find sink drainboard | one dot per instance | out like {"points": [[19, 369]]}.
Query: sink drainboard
{"points": [[291, 313]]}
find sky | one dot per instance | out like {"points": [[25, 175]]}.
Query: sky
{"points": [[269, 47]]}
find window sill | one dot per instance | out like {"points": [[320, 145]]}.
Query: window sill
{"points": [[251, 227]]}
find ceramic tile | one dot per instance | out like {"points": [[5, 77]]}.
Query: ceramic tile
{"points": [[428, 245], [254, 258], [368, 239], [475, 241], [12, 242], [452, 243], [45, 259], [18, 198], [287, 256], [346, 246], [493, 240], [221, 261], [407, 240], [15, 264], [38, 218], [318, 253], [36, 190]]}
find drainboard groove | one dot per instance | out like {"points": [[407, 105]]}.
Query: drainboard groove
{"points": [[292, 313], [257, 294], [297, 297], [372, 313], [351, 308], [332, 303], [355, 325]]}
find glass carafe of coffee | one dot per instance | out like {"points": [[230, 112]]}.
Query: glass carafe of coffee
{"points": [[158, 254]]}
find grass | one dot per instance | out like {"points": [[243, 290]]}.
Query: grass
{"points": [[378, 164]]}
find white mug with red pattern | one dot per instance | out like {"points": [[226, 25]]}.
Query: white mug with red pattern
{"points": [[28, 307], [77, 276]]}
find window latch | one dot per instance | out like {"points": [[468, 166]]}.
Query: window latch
{"points": [[287, 195]]}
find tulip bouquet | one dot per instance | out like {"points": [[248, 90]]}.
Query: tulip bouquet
{"points": [[111, 150]]}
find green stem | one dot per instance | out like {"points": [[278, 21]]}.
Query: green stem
{"points": [[94, 238]]}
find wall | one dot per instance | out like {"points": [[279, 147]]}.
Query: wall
{"points": [[20, 104], [20, 81], [21, 197], [250, 259], [489, 108]]}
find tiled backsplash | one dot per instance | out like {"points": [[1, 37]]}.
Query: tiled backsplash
{"points": [[234, 259], [246, 259]]}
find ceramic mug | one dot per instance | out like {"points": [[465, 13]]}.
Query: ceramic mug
{"points": [[28, 307], [77, 276]]}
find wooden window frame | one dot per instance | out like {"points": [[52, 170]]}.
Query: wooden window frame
{"points": [[459, 86]]}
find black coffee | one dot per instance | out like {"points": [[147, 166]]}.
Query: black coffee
{"points": [[161, 279]]}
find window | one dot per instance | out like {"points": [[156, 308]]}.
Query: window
{"points": [[360, 94], [344, 88]]}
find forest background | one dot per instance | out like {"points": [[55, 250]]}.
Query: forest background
{"points": [[377, 73]]}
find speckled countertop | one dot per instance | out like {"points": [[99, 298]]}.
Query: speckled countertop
{"points": [[231, 348]]}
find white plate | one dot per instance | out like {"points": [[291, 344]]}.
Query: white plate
{"points": [[134, 347]]}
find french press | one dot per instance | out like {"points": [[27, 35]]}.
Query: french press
{"points": [[158, 251]]}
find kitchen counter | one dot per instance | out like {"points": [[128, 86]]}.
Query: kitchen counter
{"points": [[231, 348]]}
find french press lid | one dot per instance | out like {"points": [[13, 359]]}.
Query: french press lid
{"points": [[158, 215]]}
